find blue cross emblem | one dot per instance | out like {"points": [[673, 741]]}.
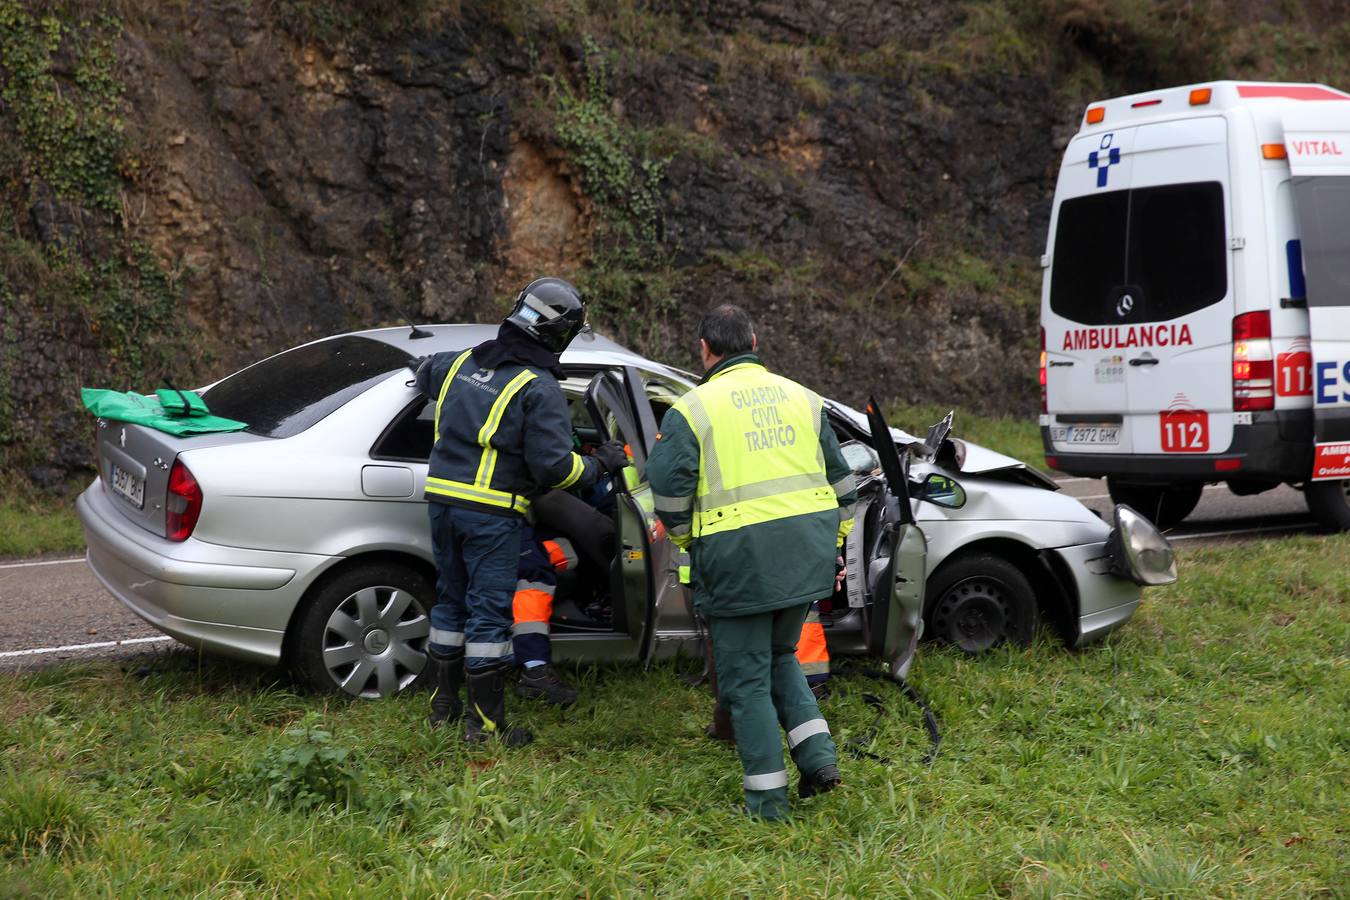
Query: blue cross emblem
{"points": [[1095, 160]]}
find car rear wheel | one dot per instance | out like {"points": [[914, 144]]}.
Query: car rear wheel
{"points": [[364, 632], [1162, 505], [980, 601], [1329, 502]]}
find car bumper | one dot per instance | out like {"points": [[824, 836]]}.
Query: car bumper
{"points": [[1277, 446], [1100, 601], [238, 608]]}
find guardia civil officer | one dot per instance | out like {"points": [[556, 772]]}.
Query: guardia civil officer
{"points": [[502, 434], [748, 476]]}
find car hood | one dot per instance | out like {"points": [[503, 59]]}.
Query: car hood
{"points": [[971, 458]]}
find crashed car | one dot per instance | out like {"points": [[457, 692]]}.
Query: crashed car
{"points": [[304, 539]]}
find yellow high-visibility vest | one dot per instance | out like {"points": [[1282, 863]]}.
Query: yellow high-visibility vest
{"points": [[759, 450]]}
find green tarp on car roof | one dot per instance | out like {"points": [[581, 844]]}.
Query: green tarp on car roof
{"points": [[146, 410]]}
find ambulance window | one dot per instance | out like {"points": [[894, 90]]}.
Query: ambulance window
{"points": [[1178, 259], [1323, 205], [1089, 257]]}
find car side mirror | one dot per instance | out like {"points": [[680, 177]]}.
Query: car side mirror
{"points": [[942, 490]]}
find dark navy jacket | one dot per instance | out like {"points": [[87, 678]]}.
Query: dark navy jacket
{"points": [[502, 435]]}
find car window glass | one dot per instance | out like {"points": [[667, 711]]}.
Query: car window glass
{"points": [[409, 437], [286, 394], [662, 392]]}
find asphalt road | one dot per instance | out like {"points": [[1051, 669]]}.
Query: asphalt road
{"points": [[56, 610]]}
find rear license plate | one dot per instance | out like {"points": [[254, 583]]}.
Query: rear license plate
{"points": [[128, 485], [1099, 435]]}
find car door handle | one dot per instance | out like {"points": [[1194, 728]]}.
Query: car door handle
{"points": [[1144, 361], [1059, 362]]}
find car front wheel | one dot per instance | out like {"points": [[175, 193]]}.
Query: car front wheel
{"points": [[1329, 502], [980, 601], [364, 632]]}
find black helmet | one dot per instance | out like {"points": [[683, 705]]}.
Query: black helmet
{"points": [[551, 311]]}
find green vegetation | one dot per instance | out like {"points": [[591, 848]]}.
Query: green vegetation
{"points": [[1198, 752], [69, 130], [31, 523], [629, 277]]}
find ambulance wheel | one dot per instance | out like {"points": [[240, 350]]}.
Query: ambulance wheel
{"points": [[979, 601], [363, 631], [1163, 506], [1329, 502]]}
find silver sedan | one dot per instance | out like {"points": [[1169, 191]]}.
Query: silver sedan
{"points": [[304, 539]]}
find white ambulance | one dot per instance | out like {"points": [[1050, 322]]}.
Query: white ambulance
{"points": [[1195, 311]]}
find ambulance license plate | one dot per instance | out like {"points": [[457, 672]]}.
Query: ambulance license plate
{"points": [[128, 485], [1098, 435]]}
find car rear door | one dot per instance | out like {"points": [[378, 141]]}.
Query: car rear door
{"points": [[1318, 144]]}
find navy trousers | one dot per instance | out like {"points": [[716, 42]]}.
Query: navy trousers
{"points": [[476, 556]]}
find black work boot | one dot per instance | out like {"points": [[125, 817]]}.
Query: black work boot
{"points": [[544, 683], [821, 781], [445, 703], [485, 716]]}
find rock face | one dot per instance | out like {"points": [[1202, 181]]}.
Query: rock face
{"points": [[872, 181]]}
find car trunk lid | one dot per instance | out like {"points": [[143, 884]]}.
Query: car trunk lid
{"points": [[134, 463]]}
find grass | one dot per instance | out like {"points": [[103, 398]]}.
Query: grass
{"points": [[1201, 751], [31, 524], [1019, 438]]}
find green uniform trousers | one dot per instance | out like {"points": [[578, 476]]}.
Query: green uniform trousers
{"points": [[762, 685]]}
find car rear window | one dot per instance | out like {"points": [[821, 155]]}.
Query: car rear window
{"points": [[1163, 248], [282, 396]]}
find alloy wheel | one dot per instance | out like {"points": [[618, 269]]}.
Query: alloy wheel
{"points": [[374, 643]]}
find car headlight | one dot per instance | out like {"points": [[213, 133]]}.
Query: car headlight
{"points": [[1139, 551]]}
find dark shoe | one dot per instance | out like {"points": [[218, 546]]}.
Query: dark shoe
{"points": [[445, 703], [544, 683], [486, 714], [821, 781], [821, 690], [721, 728]]}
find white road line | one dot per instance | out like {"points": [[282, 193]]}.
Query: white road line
{"points": [[1259, 530], [98, 646], [1092, 497], [45, 562], [1072, 480]]}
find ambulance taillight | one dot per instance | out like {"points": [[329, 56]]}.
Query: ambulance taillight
{"points": [[1045, 402], [1253, 363]]}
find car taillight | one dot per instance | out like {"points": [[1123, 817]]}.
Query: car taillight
{"points": [[184, 503], [1253, 363], [1045, 400]]}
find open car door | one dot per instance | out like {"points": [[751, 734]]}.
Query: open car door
{"points": [[632, 587], [898, 572], [1321, 183]]}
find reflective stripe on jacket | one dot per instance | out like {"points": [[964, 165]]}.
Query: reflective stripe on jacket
{"points": [[748, 475], [501, 435]]}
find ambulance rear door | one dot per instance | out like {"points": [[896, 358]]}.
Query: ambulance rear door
{"points": [[1317, 140], [1085, 383], [1138, 307]]}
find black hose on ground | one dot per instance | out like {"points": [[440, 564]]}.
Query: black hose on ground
{"points": [[857, 746]]}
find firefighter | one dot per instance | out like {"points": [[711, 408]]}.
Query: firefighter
{"points": [[502, 434], [748, 476], [563, 525]]}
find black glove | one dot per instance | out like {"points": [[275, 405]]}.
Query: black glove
{"points": [[612, 456], [416, 363]]}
